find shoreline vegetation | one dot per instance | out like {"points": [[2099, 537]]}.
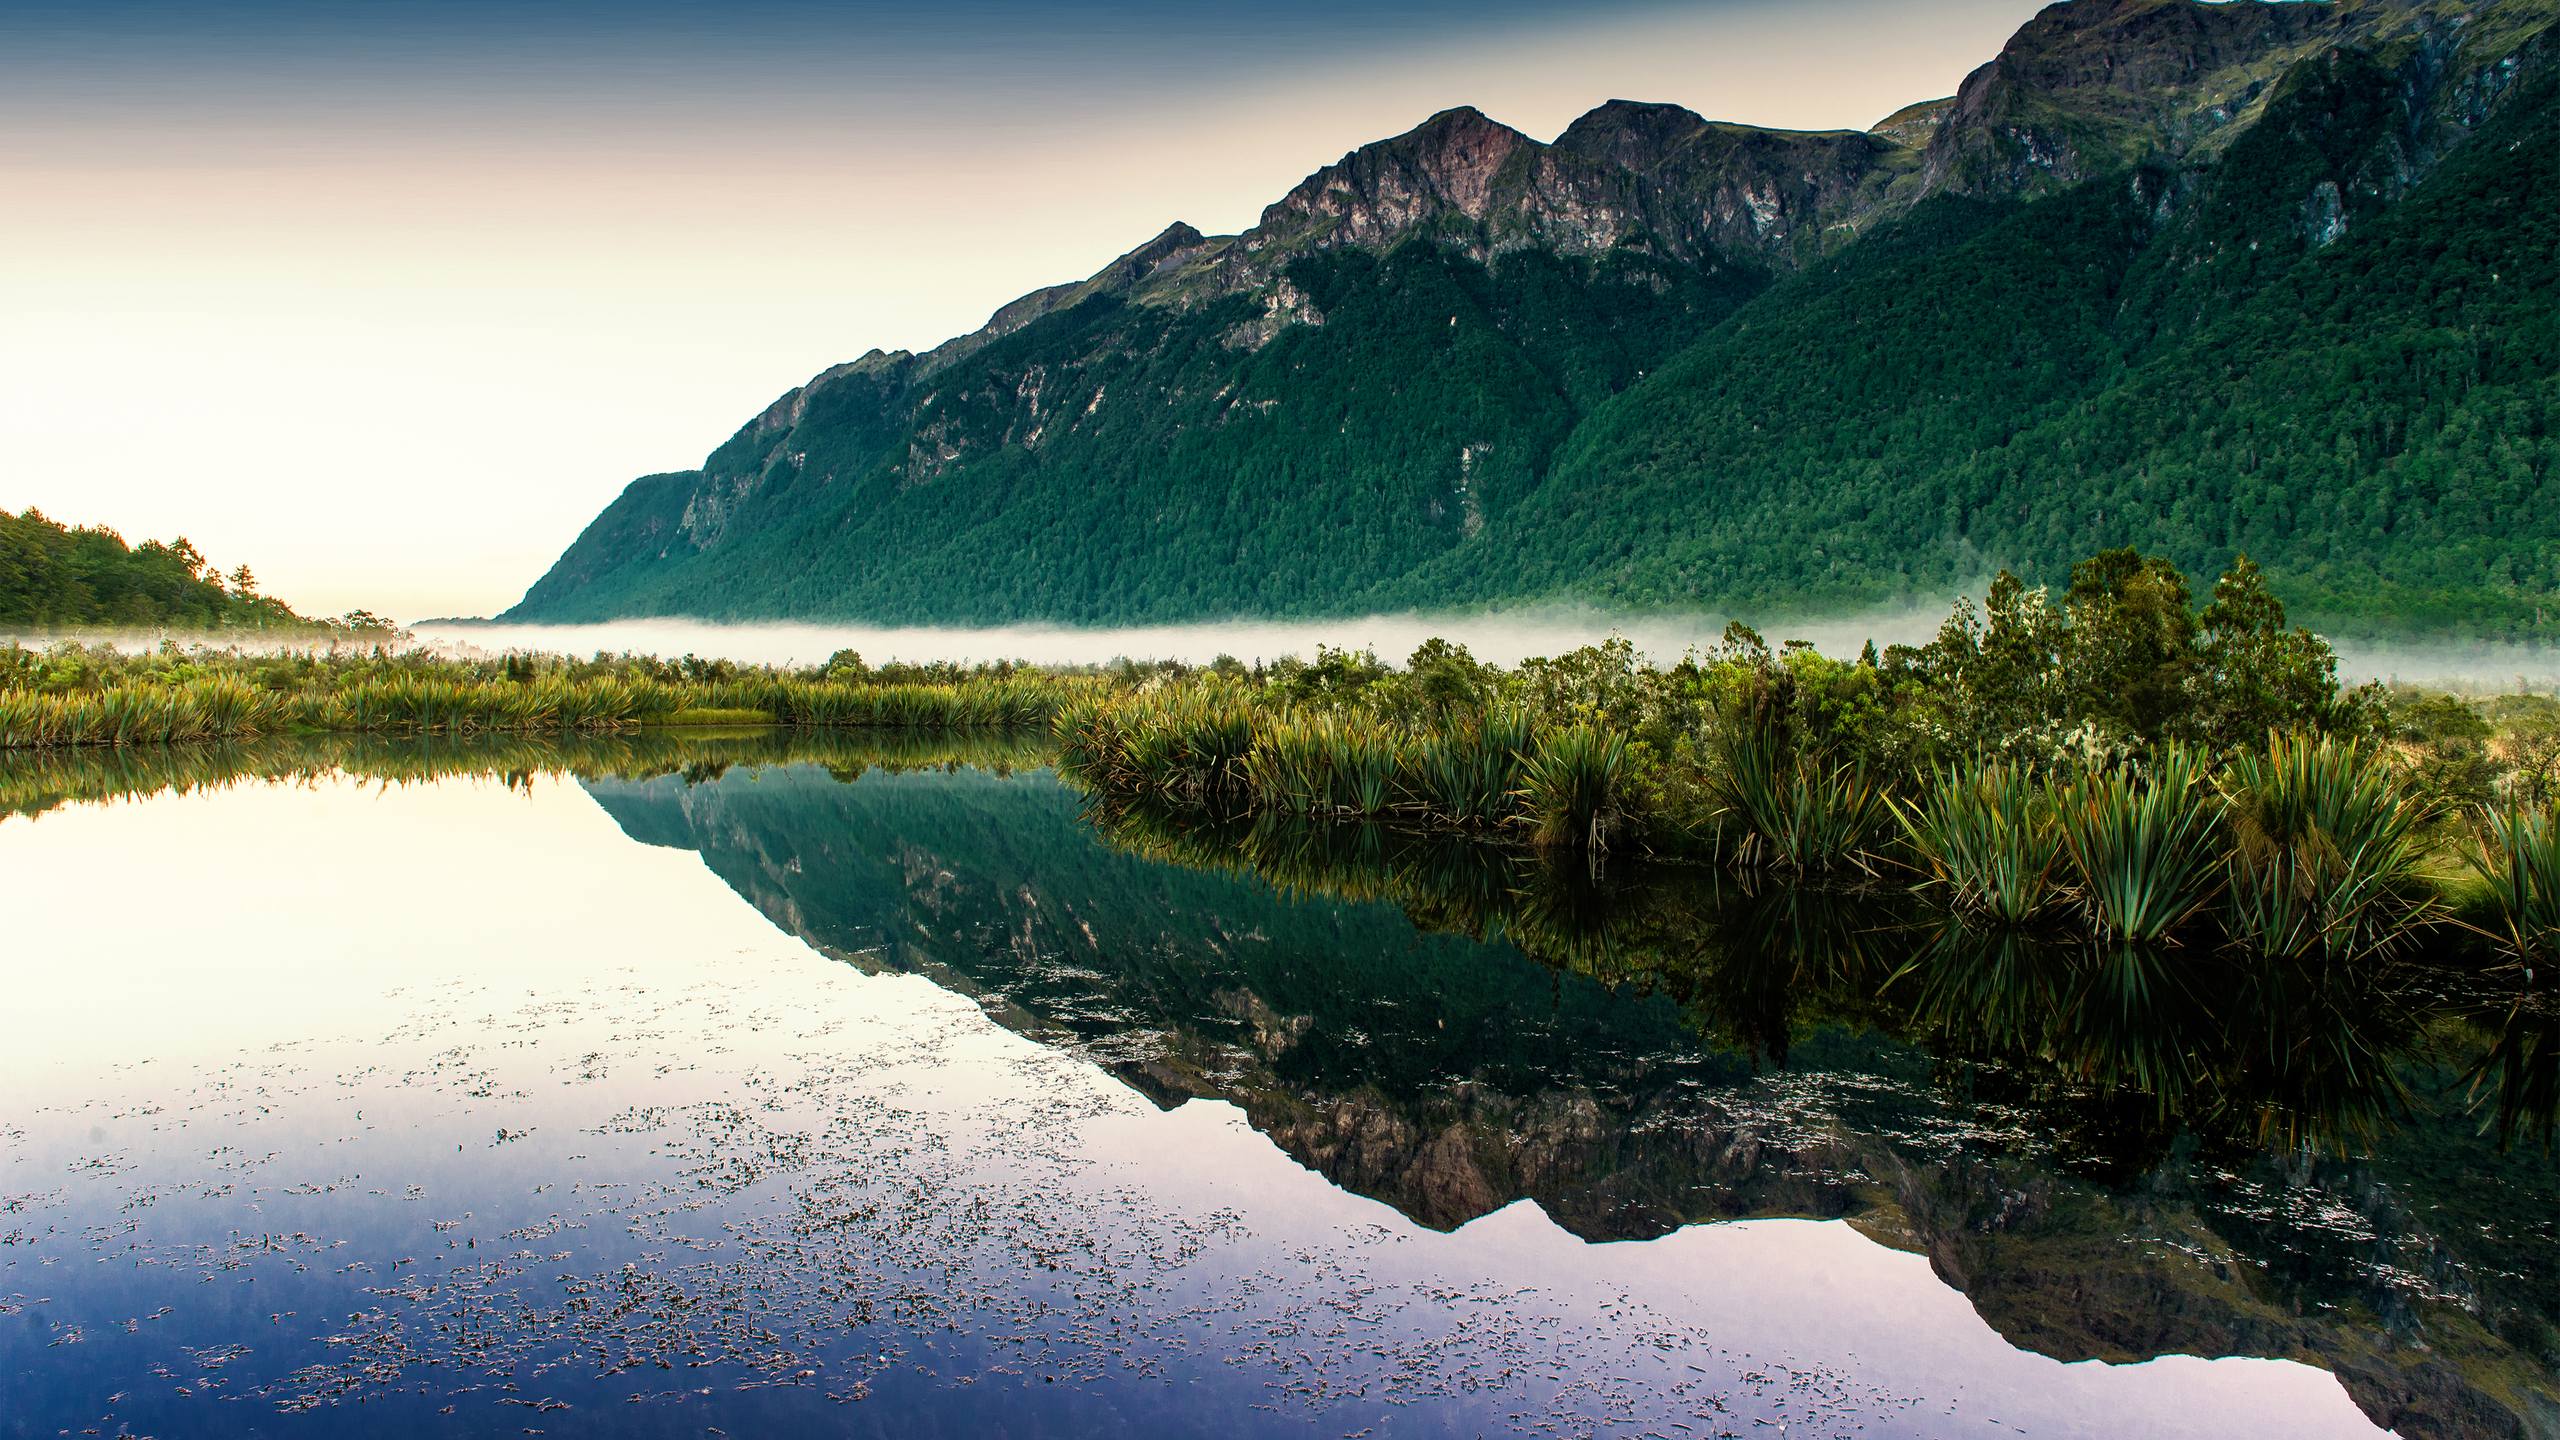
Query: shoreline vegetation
{"points": [[1750, 949], [74, 696], [2116, 762]]}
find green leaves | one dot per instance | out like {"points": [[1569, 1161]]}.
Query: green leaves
{"points": [[1568, 787], [2324, 851], [2142, 843], [2519, 858], [1990, 840]]}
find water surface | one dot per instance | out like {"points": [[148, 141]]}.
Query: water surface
{"points": [[744, 1087]]}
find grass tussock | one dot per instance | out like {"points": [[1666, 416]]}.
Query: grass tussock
{"points": [[1989, 842], [2143, 845], [2517, 857], [2324, 851]]}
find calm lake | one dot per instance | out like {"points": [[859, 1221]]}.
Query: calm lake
{"points": [[750, 1086]]}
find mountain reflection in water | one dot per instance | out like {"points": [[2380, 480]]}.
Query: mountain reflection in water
{"points": [[2114, 1154]]}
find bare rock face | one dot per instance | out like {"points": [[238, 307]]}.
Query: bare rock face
{"points": [[1450, 165], [1658, 177], [2095, 83], [1461, 178]]}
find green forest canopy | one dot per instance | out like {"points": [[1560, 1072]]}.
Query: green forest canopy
{"points": [[55, 575]]}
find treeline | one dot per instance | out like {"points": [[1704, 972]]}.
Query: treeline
{"points": [[54, 576]]}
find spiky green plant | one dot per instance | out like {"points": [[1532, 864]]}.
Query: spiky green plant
{"points": [[1989, 842], [2143, 844], [1469, 777], [2323, 851], [2518, 855], [1797, 813], [1569, 787]]}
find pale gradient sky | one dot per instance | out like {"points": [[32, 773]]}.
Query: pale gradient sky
{"points": [[388, 303]]}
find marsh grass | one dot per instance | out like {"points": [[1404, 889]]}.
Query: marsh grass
{"points": [[417, 700]]}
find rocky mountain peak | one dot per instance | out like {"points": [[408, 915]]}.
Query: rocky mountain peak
{"points": [[1449, 163], [1631, 134], [1170, 243], [2089, 83]]}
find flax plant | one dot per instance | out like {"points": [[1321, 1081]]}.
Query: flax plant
{"points": [[2143, 845], [1989, 842], [2324, 851]]}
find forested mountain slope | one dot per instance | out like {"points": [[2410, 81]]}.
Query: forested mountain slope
{"points": [[2197, 277]]}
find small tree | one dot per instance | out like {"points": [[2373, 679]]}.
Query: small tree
{"points": [[2131, 647], [2255, 674]]}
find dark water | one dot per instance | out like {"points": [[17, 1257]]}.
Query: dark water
{"points": [[740, 1089]]}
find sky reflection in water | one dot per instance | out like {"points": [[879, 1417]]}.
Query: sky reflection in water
{"points": [[452, 1107]]}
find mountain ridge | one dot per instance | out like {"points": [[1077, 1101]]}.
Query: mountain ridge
{"points": [[1315, 446]]}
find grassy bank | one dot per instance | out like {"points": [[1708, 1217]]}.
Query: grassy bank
{"points": [[75, 697]]}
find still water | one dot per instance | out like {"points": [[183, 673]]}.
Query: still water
{"points": [[740, 1087]]}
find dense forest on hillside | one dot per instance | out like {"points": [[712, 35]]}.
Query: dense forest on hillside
{"points": [[1206, 475], [2017, 385], [52, 575], [2206, 280]]}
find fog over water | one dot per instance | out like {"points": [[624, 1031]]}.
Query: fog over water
{"points": [[1502, 637]]}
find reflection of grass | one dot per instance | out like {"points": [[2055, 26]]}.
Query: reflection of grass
{"points": [[32, 782], [712, 715], [2287, 1050]]}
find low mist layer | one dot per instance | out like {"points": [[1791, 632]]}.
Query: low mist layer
{"points": [[1502, 638]]}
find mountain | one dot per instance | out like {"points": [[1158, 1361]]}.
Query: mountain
{"points": [[2201, 277]]}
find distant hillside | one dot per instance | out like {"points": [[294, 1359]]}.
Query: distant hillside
{"points": [[2198, 277]]}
